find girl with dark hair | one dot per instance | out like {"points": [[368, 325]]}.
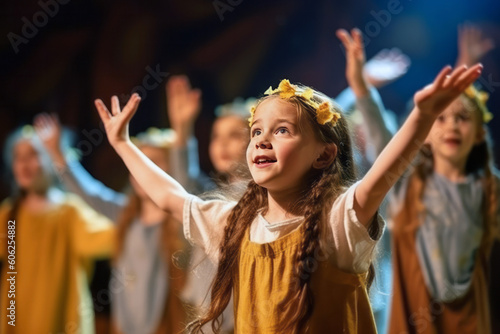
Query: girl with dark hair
{"points": [[296, 249]]}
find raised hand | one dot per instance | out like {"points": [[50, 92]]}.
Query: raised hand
{"points": [[447, 86], [355, 60], [116, 123], [472, 45], [48, 129], [184, 105], [386, 67]]}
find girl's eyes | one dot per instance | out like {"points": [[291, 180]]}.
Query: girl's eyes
{"points": [[256, 132], [282, 131], [458, 117]]}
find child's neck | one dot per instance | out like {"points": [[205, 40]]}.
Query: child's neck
{"points": [[36, 202], [150, 213], [280, 206], [452, 170]]}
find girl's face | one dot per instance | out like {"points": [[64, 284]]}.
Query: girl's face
{"points": [[27, 168], [160, 157], [455, 132], [228, 143], [281, 154]]}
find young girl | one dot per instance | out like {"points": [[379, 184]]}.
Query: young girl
{"points": [[147, 282], [445, 215], [295, 249], [48, 243]]}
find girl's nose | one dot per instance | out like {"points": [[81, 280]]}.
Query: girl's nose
{"points": [[453, 123], [263, 144]]}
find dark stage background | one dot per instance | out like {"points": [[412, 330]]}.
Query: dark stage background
{"points": [[60, 55], [80, 50]]}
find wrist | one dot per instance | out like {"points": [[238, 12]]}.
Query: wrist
{"points": [[122, 145], [423, 117], [57, 156], [359, 87], [183, 134]]}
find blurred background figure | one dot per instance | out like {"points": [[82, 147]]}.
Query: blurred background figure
{"points": [[373, 126], [57, 238], [147, 280], [445, 218], [228, 142]]}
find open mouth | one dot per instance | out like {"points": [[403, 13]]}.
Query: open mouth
{"points": [[261, 160], [453, 141]]}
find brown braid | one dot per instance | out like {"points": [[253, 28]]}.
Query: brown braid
{"points": [[239, 219]]}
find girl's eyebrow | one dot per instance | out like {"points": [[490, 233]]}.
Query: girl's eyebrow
{"points": [[283, 120], [279, 120]]}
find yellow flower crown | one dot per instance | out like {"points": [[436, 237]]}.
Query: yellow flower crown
{"points": [[324, 111], [480, 97]]}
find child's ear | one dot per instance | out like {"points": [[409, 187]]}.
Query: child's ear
{"points": [[326, 158]]}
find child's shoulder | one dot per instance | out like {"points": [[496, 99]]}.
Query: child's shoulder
{"points": [[6, 205]]}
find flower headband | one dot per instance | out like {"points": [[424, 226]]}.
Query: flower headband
{"points": [[324, 111], [480, 97], [163, 138]]}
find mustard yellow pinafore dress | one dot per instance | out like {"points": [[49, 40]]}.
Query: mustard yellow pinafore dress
{"points": [[264, 288]]}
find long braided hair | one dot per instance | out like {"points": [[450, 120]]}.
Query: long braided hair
{"points": [[324, 187]]}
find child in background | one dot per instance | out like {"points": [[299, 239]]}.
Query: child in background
{"points": [[295, 249], [56, 239], [441, 249], [228, 142], [373, 124], [373, 127], [147, 281]]}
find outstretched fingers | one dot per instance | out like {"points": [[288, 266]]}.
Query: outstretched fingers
{"points": [[131, 106], [453, 78], [441, 77], [115, 105], [469, 76], [357, 37], [344, 37], [102, 110]]}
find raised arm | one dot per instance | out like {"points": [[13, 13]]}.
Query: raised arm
{"points": [[472, 45], [166, 192], [72, 174], [183, 106], [385, 67], [396, 157]]}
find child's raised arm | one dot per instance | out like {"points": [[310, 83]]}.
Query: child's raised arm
{"points": [[397, 155], [166, 192]]}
